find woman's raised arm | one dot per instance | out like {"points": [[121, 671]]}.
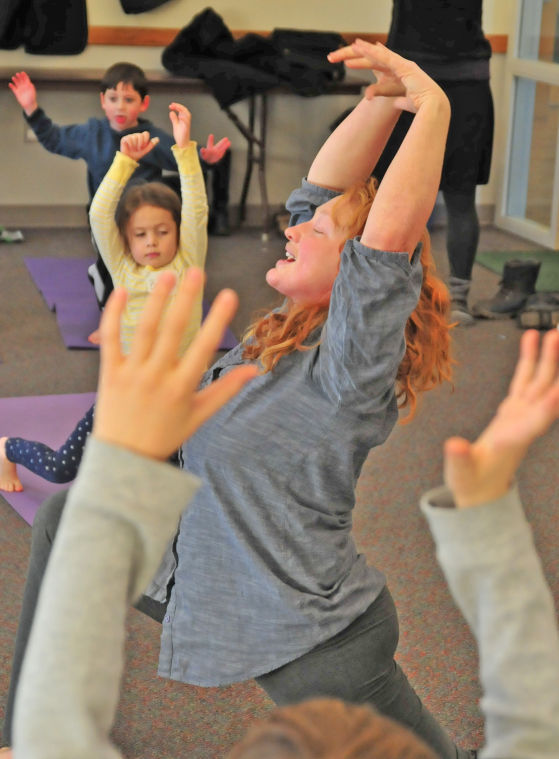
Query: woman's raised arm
{"points": [[351, 152], [408, 191]]}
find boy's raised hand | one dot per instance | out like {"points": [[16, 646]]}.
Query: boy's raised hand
{"points": [[147, 401], [180, 119], [483, 471], [214, 152], [138, 144], [24, 91]]}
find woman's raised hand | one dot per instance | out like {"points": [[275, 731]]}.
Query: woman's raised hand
{"points": [[137, 145], [396, 76], [483, 471], [147, 401], [181, 119]]}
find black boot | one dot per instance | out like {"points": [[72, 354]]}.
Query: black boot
{"points": [[518, 282], [540, 312]]}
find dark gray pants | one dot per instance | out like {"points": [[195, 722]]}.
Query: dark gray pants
{"points": [[356, 665]]}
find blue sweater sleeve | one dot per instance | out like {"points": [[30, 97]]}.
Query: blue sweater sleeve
{"points": [[96, 143], [72, 141]]}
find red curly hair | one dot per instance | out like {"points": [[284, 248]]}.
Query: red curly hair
{"points": [[427, 361]]}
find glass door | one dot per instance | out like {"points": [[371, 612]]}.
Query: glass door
{"points": [[529, 196]]}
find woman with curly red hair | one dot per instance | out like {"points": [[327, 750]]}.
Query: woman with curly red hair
{"points": [[264, 579]]}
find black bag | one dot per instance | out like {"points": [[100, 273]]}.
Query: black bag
{"points": [[303, 59]]}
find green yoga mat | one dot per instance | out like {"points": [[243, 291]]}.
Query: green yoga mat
{"points": [[548, 277]]}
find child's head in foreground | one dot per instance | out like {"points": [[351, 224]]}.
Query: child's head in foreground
{"points": [[148, 219], [329, 729], [124, 95]]}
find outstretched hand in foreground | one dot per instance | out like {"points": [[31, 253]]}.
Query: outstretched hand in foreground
{"points": [[483, 471], [148, 401]]}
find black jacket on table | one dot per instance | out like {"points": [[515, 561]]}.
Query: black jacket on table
{"points": [[235, 69], [44, 27]]}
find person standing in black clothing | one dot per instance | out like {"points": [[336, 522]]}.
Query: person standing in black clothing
{"points": [[445, 38]]}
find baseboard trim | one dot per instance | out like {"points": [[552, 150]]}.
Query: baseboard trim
{"points": [[38, 216]]}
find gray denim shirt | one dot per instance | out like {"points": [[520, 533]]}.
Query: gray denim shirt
{"points": [[267, 566]]}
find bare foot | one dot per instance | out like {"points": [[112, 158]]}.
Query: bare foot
{"points": [[95, 337], [9, 481]]}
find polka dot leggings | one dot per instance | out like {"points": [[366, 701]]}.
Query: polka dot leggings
{"points": [[54, 466]]}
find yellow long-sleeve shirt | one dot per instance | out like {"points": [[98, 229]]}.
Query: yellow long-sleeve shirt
{"points": [[193, 242]]}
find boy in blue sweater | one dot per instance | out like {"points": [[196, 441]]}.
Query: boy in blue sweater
{"points": [[124, 98]]}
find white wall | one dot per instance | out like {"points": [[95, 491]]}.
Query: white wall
{"points": [[32, 177]]}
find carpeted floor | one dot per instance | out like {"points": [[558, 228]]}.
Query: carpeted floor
{"points": [[170, 720]]}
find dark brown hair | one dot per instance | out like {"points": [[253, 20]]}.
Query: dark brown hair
{"points": [[127, 73], [326, 728], [147, 194]]}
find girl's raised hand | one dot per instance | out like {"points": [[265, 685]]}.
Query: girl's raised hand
{"points": [[396, 76], [137, 145], [180, 119], [214, 152], [483, 471], [147, 401]]}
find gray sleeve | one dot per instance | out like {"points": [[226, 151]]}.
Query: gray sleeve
{"points": [[363, 341], [493, 570], [120, 514], [304, 200]]}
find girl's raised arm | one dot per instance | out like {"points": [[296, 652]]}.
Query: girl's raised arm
{"points": [[181, 120]]}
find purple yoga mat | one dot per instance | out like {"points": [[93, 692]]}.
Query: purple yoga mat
{"points": [[60, 278], [66, 289], [49, 419], [76, 320]]}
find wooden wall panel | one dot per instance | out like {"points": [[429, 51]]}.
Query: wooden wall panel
{"points": [[160, 37]]}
